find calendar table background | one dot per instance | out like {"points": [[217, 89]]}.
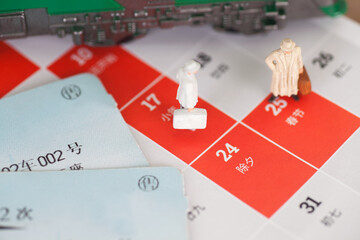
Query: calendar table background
{"points": [[287, 170]]}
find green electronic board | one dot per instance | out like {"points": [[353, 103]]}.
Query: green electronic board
{"points": [[109, 22], [61, 6]]}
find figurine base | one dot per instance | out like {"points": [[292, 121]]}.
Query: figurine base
{"points": [[183, 119]]}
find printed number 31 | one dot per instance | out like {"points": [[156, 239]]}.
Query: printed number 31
{"points": [[230, 150], [276, 106]]}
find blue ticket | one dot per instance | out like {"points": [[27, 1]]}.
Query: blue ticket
{"points": [[71, 124], [111, 204]]}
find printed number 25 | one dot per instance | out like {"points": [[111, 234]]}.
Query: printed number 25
{"points": [[276, 106]]}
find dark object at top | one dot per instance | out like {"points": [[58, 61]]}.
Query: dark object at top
{"points": [[108, 22]]}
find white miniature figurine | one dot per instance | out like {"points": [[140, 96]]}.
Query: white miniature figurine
{"points": [[286, 64], [189, 117]]}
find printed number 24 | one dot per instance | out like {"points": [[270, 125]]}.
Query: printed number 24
{"points": [[276, 106], [230, 150]]}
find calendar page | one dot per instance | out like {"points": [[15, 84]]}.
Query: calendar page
{"points": [[282, 170]]}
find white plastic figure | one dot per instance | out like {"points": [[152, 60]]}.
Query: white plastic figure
{"points": [[286, 64], [189, 117]]}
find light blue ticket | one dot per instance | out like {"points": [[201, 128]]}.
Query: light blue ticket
{"points": [[111, 204], [71, 124]]}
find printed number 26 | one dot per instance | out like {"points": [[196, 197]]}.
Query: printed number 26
{"points": [[276, 106]]}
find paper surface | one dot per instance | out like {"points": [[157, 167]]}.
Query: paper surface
{"points": [[69, 125], [113, 204]]}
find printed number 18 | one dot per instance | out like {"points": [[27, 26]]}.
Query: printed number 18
{"points": [[81, 56]]}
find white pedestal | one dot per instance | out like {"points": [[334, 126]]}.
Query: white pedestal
{"points": [[183, 119]]}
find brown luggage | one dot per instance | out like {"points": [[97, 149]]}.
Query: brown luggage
{"points": [[304, 83]]}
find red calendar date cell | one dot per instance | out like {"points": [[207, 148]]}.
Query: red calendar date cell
{"points": [[152, 115], [122, 74], [14, 68], [313, 128], [254, 170]]}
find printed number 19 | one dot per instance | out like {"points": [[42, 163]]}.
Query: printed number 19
{"points": [[276, 106]]}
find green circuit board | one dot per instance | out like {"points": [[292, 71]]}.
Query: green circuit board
{"points": [[334, 10], [197, 2], [55, 7], [109, 22], [61, 6]]}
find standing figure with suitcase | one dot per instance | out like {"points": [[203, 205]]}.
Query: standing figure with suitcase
{"points": [[289, 75]]}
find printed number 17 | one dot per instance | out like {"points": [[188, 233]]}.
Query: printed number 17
{"points": [[151, 98]]}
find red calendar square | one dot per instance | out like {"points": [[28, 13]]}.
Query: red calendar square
{"points": [[122, 74], [312, 128], [254, 170], [14, 68], [152, 115]]}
